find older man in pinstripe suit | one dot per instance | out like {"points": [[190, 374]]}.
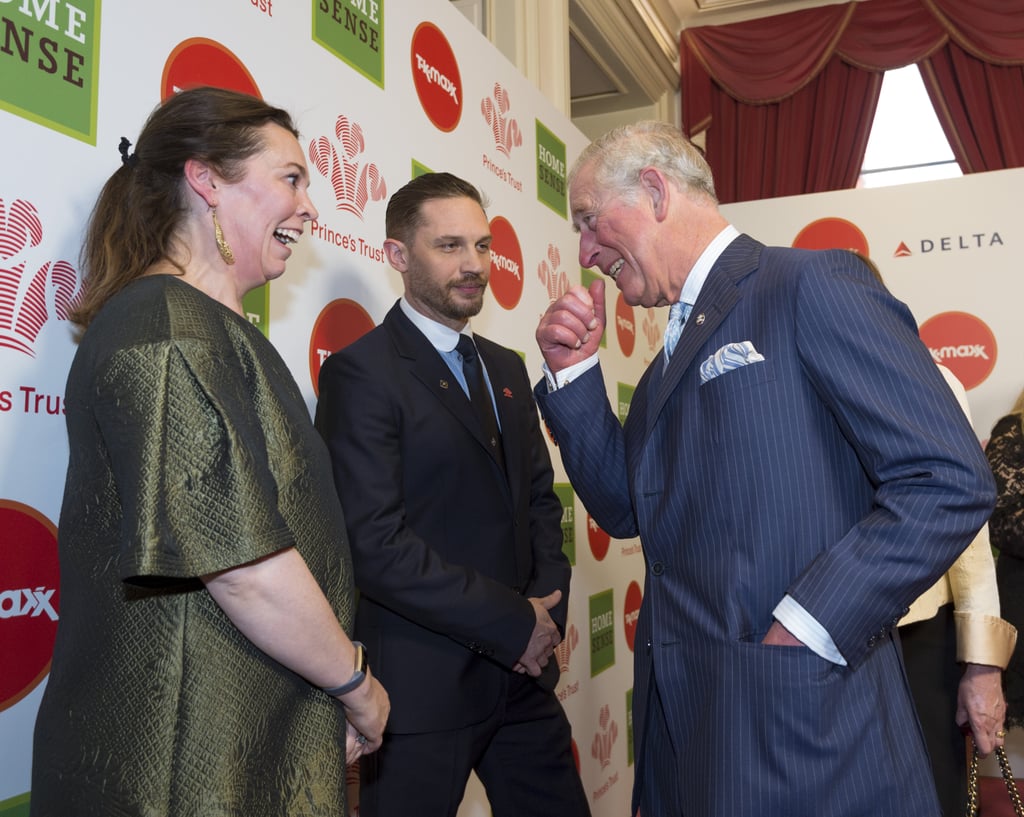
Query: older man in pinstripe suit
{"points": [[797, 471]]}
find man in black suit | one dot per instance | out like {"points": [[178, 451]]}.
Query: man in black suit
{"points": [[455, 531]]}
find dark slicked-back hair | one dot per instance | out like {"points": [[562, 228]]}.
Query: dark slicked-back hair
{"points": [[404, 214], [142, 205]]}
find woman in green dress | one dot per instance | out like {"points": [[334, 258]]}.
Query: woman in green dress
{"points": [[202, 664]]}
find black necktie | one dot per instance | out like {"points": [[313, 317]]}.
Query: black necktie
{"points": [[479, 396]]}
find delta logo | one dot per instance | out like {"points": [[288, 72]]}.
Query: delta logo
{"points": [[554, 279], [598, 540], [969, 241], [832, 234], [32, 290], [506, 281], [503, 127], [604, 738], [963, 343], [339, 323], [354, 182], [200, 61], [625, 325], [29, 599], [631, 612], [436, 77], [49, 64]]}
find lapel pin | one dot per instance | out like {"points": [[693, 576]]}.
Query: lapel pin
{"points": [[444, 384], [700, 319], [507, 392]]}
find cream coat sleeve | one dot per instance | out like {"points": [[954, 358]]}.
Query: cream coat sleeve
{"points": [[982, 637]]}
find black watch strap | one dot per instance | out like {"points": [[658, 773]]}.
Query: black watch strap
{"points": [[358, 675]]}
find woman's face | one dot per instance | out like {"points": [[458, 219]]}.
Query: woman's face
{"points": [[264, 212]]}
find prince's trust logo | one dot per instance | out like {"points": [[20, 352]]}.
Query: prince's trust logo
{"points": [[604, 738], [566, 647], [563, 652], [505, 129], [601, 750], [651, 331], [555, 281], [354, 183], [32, 290]]}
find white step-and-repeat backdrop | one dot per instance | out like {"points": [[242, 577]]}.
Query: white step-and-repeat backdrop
{"points": [[380, 89], [952, 250]]}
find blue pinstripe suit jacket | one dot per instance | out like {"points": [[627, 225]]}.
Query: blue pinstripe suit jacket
{"points": [[839, 470]]}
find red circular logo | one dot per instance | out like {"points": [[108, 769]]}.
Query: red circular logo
{"points": [[962, 343], [435, 73], [506, 264], [199, 61], [338, 324], [29, 599], [832, 234], [631, 612], [599, 540], [625, 325]]}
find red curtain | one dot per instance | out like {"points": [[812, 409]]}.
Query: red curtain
{"points": [[788, 101]]}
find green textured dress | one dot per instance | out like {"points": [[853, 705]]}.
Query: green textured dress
{"points": [[192, 451]]}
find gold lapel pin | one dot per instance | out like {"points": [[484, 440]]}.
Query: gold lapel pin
{"points": [[444, 384], [700, 319]]}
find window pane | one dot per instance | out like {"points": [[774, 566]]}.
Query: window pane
{"points": [[906, 143]]}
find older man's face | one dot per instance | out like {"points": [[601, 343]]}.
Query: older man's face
{"points": [[619, 238]]}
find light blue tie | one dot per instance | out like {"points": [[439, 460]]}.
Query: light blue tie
{"points": [[677, 315]]}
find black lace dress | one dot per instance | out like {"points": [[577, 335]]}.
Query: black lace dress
{"points": [[1005, 453]]}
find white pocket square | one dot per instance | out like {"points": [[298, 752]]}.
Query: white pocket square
{"points": [[729, 357]]}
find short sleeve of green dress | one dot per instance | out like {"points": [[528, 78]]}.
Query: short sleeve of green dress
{"points": [[189, 455], [191, 451]]}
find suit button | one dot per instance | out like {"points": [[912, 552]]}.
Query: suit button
{"points": [[657, 568]]}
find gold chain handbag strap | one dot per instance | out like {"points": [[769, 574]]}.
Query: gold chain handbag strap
{"points": [[972, 782]]}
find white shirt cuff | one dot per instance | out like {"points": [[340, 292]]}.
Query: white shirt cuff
{"points": [[568, 374], [791, 615]]}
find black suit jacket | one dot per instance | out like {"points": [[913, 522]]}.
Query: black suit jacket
{"points": [[446, 547]]}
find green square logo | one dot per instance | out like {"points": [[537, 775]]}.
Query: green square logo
{"points": [[49, 64], [551, 171], [567, 496], [352, 30], [602, 632], [625, 400], [586, 278], [256, 306]]}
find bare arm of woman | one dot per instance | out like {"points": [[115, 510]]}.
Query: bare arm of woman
{"points": [[277, 604]]}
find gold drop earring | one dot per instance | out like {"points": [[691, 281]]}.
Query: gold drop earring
{"points": [[222, 246]]}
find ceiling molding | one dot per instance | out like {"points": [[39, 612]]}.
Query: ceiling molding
{"points": [[600, 79], [694, 13], [632, 45]]}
